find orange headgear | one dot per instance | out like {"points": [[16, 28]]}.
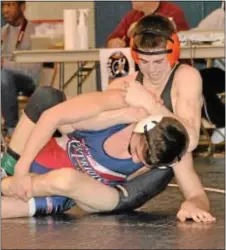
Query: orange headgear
{"points": [[172, 46]]}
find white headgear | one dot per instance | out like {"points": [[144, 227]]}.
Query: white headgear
{"points": [[149, 121]]}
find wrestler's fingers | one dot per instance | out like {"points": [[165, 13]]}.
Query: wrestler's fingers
{"points": [[182, 216], [208, 217], [203, 217], [196, 218], [28, 194]]}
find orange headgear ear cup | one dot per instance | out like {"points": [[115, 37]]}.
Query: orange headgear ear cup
{"points": [[175, 47], [133, 53]]}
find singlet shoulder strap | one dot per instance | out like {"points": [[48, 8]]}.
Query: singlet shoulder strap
{"points": [[170, 80], [166, 93], [140, 77], [167, 90]]}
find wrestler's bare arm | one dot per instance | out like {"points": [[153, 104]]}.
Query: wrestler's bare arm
{"points": [[110, 118], [104, 120], [190, 184], [187, 179], [187, 103], [69, 112]]}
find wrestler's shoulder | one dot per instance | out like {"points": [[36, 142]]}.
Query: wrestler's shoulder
{"points": [[186, 69], [118, 82], [187, 73]]}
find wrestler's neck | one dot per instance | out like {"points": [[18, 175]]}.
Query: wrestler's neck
{"points": [[158, 83]]}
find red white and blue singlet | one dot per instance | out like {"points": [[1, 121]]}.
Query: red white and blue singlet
{"points": [[85, 152]]}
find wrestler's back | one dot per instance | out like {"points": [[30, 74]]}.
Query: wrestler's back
{"points": [[106, 148]]}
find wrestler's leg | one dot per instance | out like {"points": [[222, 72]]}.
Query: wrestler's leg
{"points": [[91, 195], [78, 186], [16, 208], [13, 208], [51, 156], [73, 184], [42, 99], [98, 197]]}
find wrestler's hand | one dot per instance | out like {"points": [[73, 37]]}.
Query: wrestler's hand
{"points": [[20, 187], [189, 210], [138, 96]]}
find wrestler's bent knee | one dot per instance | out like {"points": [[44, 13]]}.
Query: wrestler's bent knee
{"points": [[62, 181], [42, 99]]}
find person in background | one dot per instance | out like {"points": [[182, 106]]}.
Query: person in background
{"points": [[16, 77], [214, 79], [119, 38]]}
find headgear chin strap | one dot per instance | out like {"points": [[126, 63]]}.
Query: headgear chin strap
{"points": [[172, 46], [147, 123]]}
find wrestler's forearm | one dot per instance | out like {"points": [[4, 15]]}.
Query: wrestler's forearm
{"points": [[110, 118], [190, 183], [102, 121]]}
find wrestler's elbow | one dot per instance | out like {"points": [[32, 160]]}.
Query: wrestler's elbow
{"points": [[49, 118]]}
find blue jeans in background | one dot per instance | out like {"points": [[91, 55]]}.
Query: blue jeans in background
{"points": [[13, 82]]}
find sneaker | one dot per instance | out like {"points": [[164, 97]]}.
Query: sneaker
{"points": [[51, 205], [218, 135]]}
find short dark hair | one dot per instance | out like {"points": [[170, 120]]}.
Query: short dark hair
{"points": [[168, 142], [152, 31]]}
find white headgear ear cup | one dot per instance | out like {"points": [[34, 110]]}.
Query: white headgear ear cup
{"points": [[149, 121]]}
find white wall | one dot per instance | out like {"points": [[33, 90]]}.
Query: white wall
{"points": [[54, 10]]}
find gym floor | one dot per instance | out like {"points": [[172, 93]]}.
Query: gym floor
{"points": [[153, 226]]}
